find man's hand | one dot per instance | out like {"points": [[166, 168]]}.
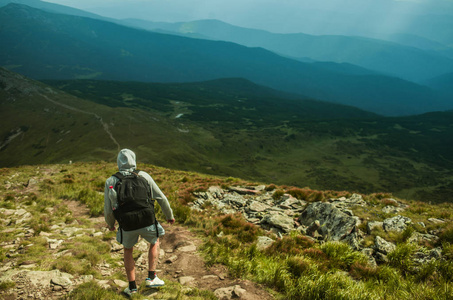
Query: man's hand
{"points": [[171, 221], [112, 229]]}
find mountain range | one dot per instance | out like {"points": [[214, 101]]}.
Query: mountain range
{"points": [[46, 45], [385, 57]]}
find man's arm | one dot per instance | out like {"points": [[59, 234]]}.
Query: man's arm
{"points": [[157, 194]]}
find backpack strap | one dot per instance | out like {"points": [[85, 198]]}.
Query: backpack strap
{"points": [[119, 175]]}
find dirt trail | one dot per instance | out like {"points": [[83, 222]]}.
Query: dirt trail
{"points": [[181, 261]]}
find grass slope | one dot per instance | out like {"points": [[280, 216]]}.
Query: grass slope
{"points": [[294, 267], [245, 132]]}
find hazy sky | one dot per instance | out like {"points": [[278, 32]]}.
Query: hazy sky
{"points": [[310, 16]]}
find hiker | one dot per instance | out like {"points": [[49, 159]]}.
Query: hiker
{"points": [[136, 220]]}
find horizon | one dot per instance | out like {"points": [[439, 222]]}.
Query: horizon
{"points": [[345, 17]]}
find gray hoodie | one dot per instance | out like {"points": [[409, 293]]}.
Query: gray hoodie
{"points": [[127, 164]]}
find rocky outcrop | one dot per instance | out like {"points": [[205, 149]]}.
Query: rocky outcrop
{"points": [[334, 224], [332, 220]]}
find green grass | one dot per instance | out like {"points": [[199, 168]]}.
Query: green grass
{"points": [[258, 138], [294, 267]]}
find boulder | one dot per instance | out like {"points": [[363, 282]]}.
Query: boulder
{"points": [[345, 203], [382, 246], [279, 220], [234, 200], [334, 222], [216, 191], [263, 242], [230, 292], [397, 223], [256, 206]]}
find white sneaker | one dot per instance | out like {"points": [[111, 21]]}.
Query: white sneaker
{"points": [[155, 282], [130, 292]]}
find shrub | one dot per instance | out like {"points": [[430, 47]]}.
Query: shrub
{"points": [[235, 225], [401, 257], [447, 235], [181, 212], [301, 194], [292, 245], [316, 254], [93, 200], [277, 194], [341, 255], [445, 268], [5, 285], [363, 271], [298, 265], [270, 187], [316, 196]]}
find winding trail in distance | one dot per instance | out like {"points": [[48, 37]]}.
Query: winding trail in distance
{"points": [[105, 126]]}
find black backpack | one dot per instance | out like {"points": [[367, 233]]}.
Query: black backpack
{"points": [[135, 207]]}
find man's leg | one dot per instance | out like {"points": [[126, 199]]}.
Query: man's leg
{"points": [[129, 264], [153, 256]]}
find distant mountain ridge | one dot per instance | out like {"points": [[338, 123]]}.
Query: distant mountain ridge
{"points": [[389, 58], [69, 47]]}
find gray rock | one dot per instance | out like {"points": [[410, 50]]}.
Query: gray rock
{"points": [[185, 279], [418, 237], [313, 227], [256, 206], [353, 240], [120, 283], [344, 203], [188, 248], [279, 220], [216, 191], [289, 202], [436, 253], [230, 292], [263, 242], [381, 258], [436, 221], [171, 259], [31, 182], [62, 281], [69, 231], [374, 224], [336, 223], [397, 223], [244, 191], [369, 254], [382, 246], [234, 200], [390, 209], [142, 246]]}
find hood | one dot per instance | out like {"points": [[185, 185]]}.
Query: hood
{"points": [[126, 160]]}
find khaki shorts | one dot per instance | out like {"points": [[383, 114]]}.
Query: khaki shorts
{"points": [[129, 238]]}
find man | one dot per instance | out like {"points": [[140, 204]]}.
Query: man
{"points": [[128, 238]]}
